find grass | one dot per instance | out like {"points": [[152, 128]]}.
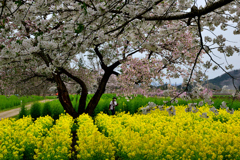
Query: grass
{"points": [[13, 101], [130, 105]]}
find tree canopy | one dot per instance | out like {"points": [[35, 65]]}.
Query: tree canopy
{"points": [[42, 38]]}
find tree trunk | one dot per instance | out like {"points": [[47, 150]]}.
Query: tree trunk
{"points": [[82, 101], [63, 96], [101, 89]]}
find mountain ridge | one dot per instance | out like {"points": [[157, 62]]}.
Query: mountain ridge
{"points": [[218, 82]]}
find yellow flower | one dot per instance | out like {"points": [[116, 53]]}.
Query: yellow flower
{"points": [[168, 157]]}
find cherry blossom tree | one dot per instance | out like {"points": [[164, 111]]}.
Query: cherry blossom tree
{"points": [[41, 38]]}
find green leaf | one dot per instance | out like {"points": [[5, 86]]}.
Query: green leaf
{"points": [[38, 34], [84, 6], [19, 41], [19, 3], [3, 24], [79, 28], [2, 46]]}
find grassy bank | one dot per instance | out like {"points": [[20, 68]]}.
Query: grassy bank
{"points": [[13, 101]]}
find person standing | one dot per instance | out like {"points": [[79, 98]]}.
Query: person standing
{"points": [[112, 105]]}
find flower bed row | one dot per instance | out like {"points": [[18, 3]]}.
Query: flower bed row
{"points": [[18, 139], [92, 144], [25, 139], [57, 143], [183, 136]]}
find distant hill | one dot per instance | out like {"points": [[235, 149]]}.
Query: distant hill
{"points": [[218, 82], [215, 83]]}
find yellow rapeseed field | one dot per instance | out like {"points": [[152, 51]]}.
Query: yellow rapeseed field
{"points": [[184, 135]]}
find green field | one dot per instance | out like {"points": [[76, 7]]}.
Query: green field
{"points": [[13, 101], [130, 105]]}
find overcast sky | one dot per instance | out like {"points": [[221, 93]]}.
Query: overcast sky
{"points": [[233, 40], [235, 60]]}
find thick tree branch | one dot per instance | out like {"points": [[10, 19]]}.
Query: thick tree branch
{"points": [[200, 12], [117, 63], [82, 101], [139, 15], [63, 96], [76, 79], [3, 5], [115, 73], [103, 65], [150, 54]]}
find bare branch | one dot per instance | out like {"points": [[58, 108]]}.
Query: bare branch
{"points": [[198, 54]]}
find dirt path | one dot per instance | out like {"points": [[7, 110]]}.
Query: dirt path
{"points": [[14, 112]]}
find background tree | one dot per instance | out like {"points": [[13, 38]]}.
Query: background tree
{"points": [[41, 38]]}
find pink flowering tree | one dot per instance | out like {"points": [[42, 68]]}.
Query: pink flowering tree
{"points": [[40, 39], [173, 59]]}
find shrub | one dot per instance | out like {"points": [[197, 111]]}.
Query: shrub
{"points": [[75, 102], [35, 110], [23, 111], [57, 109], [103, 106], [47, 109]]}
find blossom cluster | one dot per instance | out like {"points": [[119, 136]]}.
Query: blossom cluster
{"points": [[91, 143], [183, 136]]}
